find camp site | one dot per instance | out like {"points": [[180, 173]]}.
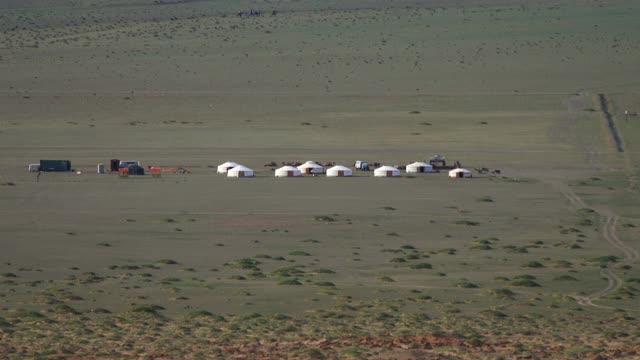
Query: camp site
{"points": [[353, 179]]}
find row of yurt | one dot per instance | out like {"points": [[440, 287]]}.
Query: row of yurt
{"points": [[235, 170]]}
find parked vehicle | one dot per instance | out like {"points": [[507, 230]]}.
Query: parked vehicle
{"points": [[127, 163], [361, 165]]}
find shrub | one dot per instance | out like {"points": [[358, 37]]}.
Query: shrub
{"points": [[503, 293], [65, 309], [167, 262], [325, 271], [467, 222], [244, 263], [199, 313], [421, 266], [28, 315], [386, 279], [290, 282], [533, 264], [564, 278], [148, 309], [325, 283], [493, 313], [525, 283], [481, 247], [315, 354], [605, 259], [516, 249], [525, 277], [299, 253], [585, 222], [288, 271], [563, 264], [466, 285]]}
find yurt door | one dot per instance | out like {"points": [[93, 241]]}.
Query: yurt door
{"points": [[340, 172], [289, 173], [460, 174], [389, 173], [241, 173]]}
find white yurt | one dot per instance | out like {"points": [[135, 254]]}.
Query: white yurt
{"points": [[223, 168], [459, 173], [339, 171], [311, 167], [240, 171], [386, 171], [288, 171], [419, 167]]}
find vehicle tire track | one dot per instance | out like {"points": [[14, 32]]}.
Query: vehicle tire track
{"points": [[614, 282]]}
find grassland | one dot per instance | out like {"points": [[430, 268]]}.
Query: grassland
{"points": [[540, 261]]}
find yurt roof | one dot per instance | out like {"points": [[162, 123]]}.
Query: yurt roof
{"points": [[387, 168], [338, 167], [460, 170], [240, 168], [311, 164], [287, 168], [419, 164], [228, 164]]}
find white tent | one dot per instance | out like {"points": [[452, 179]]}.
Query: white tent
{"points": [[287, 171], [310, 167], [339, 171], [459, 173], [386, 171], [223, 168], [240, 171], [419, 167]]}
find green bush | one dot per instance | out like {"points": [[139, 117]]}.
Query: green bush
{"points": [[467, 222], [244, 263], [533, 264], [525, 283], [167, 261], [466, 285], [299, 253], [564, 278], [502, 293], [421, 266], [290, 282]]}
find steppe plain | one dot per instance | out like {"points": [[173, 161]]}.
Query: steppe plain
{"points": [[540, 261]]}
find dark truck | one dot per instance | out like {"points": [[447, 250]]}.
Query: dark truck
{"points": [[55, 165]]}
